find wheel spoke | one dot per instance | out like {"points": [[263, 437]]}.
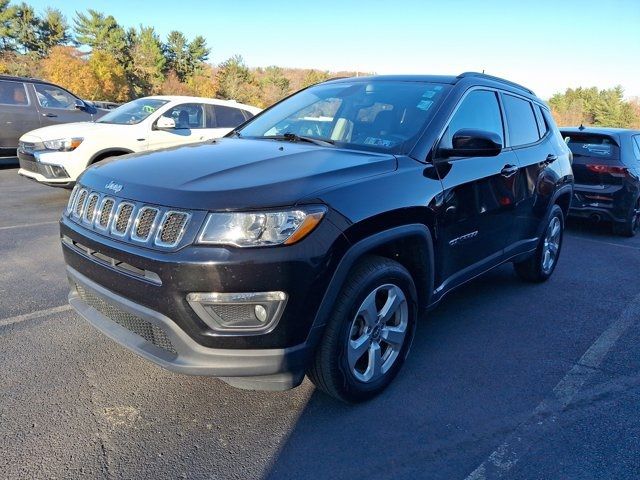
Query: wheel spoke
{"points": [[368, 311], [375, 362], [394, 336], [391, 305], [553, 249], [357, 348]]}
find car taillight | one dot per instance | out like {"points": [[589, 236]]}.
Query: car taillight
{"points": [[612, 170]]}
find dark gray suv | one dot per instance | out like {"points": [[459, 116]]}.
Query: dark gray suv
{"points": [[28, 103]]}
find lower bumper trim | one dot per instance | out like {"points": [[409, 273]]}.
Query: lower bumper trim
{"points": [[265, 369]]}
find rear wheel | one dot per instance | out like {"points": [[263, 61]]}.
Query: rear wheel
{"points": [[369, 333], [632, 225], [541, 265]]}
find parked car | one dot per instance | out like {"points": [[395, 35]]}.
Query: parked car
{"points": [[28, 103], [56, 155], [606, 165], [270, 253]]}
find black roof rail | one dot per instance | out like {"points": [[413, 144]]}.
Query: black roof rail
{"points": [[496, 79]]}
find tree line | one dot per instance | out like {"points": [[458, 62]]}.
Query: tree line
{"points": [[98, 59]]}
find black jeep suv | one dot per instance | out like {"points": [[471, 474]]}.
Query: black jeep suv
{"points": [[310, 238]]}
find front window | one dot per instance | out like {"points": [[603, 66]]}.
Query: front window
{"points": [[50, 96], [384, 116], [133, 112]]}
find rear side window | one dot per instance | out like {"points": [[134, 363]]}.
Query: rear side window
{"points": [[479, 110], [592, 145], [228, 117], [523, 126], [542, 124], [13, 93]]}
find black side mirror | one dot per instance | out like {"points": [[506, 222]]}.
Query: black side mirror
{"points": [[469, 142], [79, 105]]}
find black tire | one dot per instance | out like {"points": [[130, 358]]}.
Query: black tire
{"points": [[631, 226], [533, 269], [329, 369]]}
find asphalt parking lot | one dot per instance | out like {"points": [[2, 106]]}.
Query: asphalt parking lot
{"points": [[505, 380]]}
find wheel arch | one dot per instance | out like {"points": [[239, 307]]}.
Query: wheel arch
{"points": [[411, 245], [108, 152]]}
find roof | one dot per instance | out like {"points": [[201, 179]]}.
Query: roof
{"points": [[600, 130], [211, 101], [23, 79], [469, 77]]}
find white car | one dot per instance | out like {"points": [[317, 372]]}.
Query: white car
{"points": [[56, 155]]}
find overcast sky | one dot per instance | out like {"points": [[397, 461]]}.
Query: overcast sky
{"points": [[545, 45]]}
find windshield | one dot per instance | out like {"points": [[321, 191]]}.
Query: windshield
{"points": [[133, 112], [384, 116], [591, 145]]}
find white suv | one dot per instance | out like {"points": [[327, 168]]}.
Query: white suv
{"points": [[56, 155]]}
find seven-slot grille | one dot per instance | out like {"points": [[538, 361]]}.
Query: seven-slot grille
{"points": [[144, 224]]}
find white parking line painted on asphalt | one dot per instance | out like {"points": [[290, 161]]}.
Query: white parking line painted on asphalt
{"points": [[33, 315], [613, 244], [24, 225], [508, 453]]}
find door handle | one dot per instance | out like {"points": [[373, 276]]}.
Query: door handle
{"points": [[550, 159], [508, 170], [50, 115]]}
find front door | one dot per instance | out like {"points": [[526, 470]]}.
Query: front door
{"points": [[191, 127], [56, 105], [477, 209]]}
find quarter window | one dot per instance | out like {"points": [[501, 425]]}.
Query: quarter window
{"points": [[542, 124], [50, 96], [228, 117], [523, 127], [188, 115], [479, 110], [13, 93], [636, 146]]}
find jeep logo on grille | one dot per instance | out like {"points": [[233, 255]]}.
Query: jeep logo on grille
{"points": [[113, 186]]}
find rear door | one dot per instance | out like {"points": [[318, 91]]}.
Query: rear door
{"points": [[226, 119], [56, 105], [478, 193], [17, 115], [531, 138]]}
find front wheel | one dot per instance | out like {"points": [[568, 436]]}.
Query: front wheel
{"points": [[369, 333], [541, 265]]}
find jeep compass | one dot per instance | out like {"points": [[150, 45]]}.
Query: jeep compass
{"points": [[309, 240]]}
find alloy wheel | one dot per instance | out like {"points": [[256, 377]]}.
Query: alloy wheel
{"points": [[551, 245], [377, 333]]}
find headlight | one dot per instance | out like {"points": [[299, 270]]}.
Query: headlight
{"points": [[258, 229], [63, 144]]}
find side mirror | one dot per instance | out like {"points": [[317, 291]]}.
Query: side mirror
{"points": [[165, 123], [469, 142], [79, 105]]}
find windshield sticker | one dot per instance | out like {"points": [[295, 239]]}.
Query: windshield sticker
{"points": [[424, 105], [148, 109], [379, 142]]}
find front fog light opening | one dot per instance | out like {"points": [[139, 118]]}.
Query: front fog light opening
{"points": [[253, 312]]}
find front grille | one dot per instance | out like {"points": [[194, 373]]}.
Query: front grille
{"points": [[139, 326], [105, 213], [91, 207], [125, 220], [172, 227], [122, 218], [82, 196], [146, 217]]}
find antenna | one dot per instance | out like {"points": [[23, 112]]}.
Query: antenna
{"points": [[581, 127]]}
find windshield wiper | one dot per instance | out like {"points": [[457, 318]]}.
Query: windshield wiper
{"points": [[292, 137]]}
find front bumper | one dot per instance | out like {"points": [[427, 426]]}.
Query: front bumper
{"points": [[157, 338]]}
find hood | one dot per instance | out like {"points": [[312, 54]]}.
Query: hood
{"points": [[234, 173], [77, 129]]}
